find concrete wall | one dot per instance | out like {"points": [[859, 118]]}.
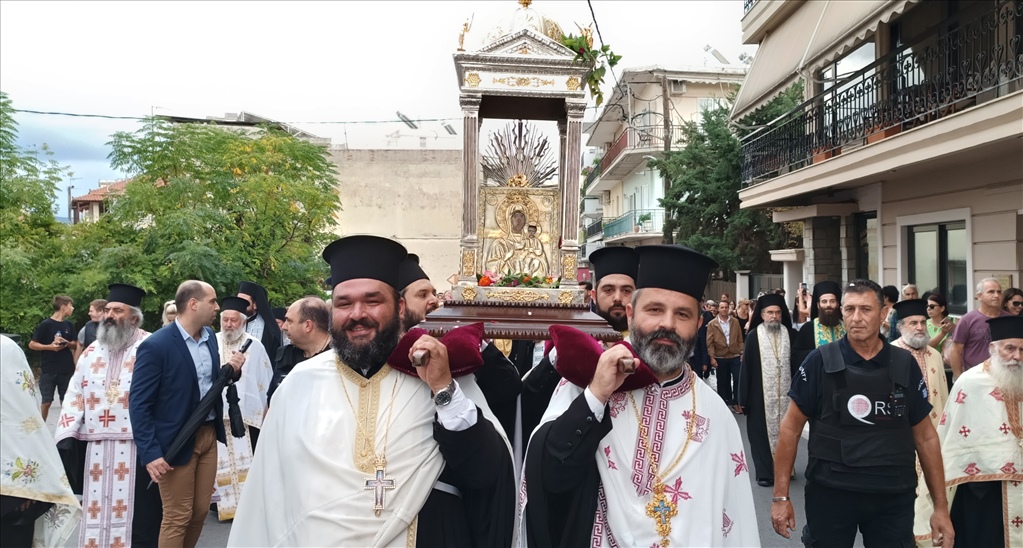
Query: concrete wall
{"points": [[413, 196]]}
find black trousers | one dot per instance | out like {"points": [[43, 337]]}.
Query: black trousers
{"points": [[728, 379], [834, 515], [977, 515], [148, 511]]}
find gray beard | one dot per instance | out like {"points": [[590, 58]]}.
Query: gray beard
{"points": [[773, 327], [916, 342], [115, 336], [1008, 378], [234, 336], [661, 359]]}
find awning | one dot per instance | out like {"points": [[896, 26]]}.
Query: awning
{"points": [[815, 35]]}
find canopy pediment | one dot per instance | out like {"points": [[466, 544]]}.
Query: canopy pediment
{"points": [[527, 42]]}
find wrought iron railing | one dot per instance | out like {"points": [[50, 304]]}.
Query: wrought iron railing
{"points": [[631, 138], [748, 5], [592, 176], [966, 63], [594, 229], [637, 221]]}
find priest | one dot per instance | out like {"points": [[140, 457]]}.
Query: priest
{"points": [[235, 457], [913, 337], [825, 323], [765, 375], [96, 412], [260, 322], [982, 445], [656, 464], [357, 453]]}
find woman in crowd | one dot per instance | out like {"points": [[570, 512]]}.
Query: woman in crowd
{"points": [[742, 313], [170, 311], [939, 324], [1012, 301]]}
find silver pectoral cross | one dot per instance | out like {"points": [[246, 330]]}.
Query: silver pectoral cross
{"points": [[378, 484]]}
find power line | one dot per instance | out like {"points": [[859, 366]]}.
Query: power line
{"points": [[601, 38]]}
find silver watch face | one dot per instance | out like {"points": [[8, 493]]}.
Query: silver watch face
{"points": [[443, 397]]}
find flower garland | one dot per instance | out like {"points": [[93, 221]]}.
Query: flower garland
{"points": [[490, 279], [584, 53]]}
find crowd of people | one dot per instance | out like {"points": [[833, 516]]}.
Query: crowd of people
{"points": [[338, 421]]}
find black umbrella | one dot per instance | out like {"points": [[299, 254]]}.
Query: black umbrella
{"points": [[202, 410]]}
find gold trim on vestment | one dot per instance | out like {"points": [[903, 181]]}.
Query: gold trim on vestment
{"points": [[410, 536], [364, 448]]}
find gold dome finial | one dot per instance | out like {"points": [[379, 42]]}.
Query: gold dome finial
{"points": [[525, 3]]}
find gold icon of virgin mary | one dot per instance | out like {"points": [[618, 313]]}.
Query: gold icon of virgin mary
{"points": [[519, 250]]}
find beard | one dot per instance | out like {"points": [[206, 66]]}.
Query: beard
{"points": [[774, 326], [115, 334], [662, 359], [233, 336], [829, 317], [618, 323], [1008, 377], [366, 356], [917, 341], [411, 319]]}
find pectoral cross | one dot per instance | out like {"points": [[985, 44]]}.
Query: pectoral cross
{"points": [[662, 511], [378, 484]]}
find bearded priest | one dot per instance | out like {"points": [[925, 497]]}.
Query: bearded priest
{"points": [[982, 445], [768, 365], [912, 325], [235, 457], [651, 458], [825, 324], [357, 452], [95, 412]]}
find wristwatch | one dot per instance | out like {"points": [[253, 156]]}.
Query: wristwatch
{"points": [[443, 396]]}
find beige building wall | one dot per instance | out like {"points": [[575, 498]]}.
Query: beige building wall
{"points": [[413, 196]]}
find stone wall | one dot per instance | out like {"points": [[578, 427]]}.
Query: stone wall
{"points": [[822, 238]]}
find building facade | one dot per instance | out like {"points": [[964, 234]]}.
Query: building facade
{"points": [[905, 162]]}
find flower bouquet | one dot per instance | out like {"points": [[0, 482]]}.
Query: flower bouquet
{"points": [[490, 279]]}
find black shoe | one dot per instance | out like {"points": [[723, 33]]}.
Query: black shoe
{"points": [[765, 482]]}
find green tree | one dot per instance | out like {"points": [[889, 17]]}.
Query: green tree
{"points": [[31, 237], [702, 203], [214, 204]]}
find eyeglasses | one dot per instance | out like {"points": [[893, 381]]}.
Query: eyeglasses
{"points": [[931, 306], [1016, 304]]}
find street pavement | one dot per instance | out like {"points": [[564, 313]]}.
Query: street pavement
{"points": [[215, 533]]}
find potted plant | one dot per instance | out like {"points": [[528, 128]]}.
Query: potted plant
{"points": [[644, 221]]}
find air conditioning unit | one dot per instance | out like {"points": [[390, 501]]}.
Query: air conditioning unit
{"points": [[605, 197], [678, 87]]}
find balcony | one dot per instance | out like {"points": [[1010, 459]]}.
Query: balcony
{"points": [[595, 229], [748, 5], [638, 224], [625, 155], [941, 74], [587, 249], [591, 208]]}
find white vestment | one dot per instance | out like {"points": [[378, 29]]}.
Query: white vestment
{"points": [[235, 457], [980, 441], [30, 466], [96, 411], [710, 485], [308, 481]]}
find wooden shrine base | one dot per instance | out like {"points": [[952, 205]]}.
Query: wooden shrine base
{"points": [[518, 321]]}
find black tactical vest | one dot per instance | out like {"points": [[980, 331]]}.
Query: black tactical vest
{"points": [[863, 440]]}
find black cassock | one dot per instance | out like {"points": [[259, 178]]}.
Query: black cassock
{"points": [[751, 398], [976, 514], [804, 343], [500, 383]]}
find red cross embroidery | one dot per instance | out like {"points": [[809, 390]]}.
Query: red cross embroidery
{"points": [[92, 544], [1005, 428], [96, 471], [119, 508], [88, 350], [117, 543], [79, 402], [66, 420], [1015, 483], [97, 365], [961, 397], [130, 364], [965, 431], [121, 471], [740, 462], [676, 491], [107, 417], [92, 400], [1017, 522], [94, 509], [123, 400]]}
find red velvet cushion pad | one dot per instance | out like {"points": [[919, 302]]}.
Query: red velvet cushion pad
{"points": [[463, 344], [578, 354]]}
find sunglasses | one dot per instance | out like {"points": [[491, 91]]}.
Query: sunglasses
{"points": [[1016, 304], [931, 306]]}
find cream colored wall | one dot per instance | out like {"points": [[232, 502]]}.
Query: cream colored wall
{"points": [[413, 196], [992, 190]]}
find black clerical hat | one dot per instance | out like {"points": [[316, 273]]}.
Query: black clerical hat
{"points": [[821, 289], [252, 289], [126, 294], [911, 307], [770, 299], [364, 256], [614, 260], [279, 313], [410, 271], [237, 304], [1006, 327], [675, 268]]}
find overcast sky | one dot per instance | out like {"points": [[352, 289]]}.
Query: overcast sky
{"points": [[293, 62]]}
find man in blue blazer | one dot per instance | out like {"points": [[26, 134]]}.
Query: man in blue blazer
{"points": [[174, 368]]}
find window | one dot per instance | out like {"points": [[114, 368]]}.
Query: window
{"points": [[937, 262], [865, 225]]}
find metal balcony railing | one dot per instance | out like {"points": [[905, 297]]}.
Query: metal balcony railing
{"points": [[631, 138], [748, 5], [594, 229], [592, 176], [637, 221], [965, 63]]}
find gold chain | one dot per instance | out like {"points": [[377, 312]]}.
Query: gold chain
{"points": [[382, 457], [646, 442]]}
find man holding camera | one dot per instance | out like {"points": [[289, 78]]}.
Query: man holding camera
{"points": [[56, 341]]}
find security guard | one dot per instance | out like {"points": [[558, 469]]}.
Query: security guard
{"points": [[867, 406]]}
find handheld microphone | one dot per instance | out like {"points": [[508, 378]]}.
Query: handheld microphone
{"points": [[234, 412]]}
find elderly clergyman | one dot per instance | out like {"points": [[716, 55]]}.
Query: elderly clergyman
{"points": [[96, 412], [912, 315], [764, 380], [235, 457], [982, 444]]}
